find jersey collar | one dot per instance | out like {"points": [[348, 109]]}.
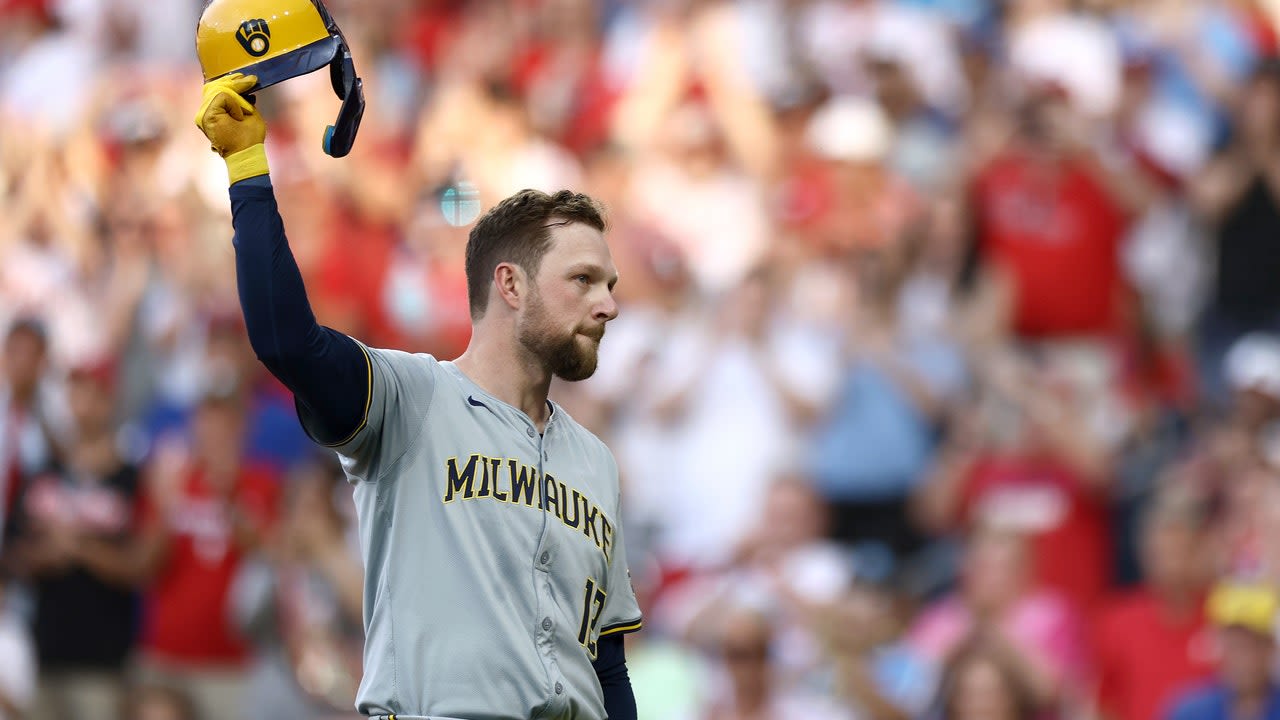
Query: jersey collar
{"points": [[478, 397]]}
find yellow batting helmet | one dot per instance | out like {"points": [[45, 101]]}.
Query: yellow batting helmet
{"points": [[275, 40]]}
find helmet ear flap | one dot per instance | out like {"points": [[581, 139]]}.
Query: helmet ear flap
{"points": [[341, 72], [339, 137]]}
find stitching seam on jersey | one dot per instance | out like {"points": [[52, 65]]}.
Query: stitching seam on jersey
{"points": [[382, 493], [417, 436], [386, 582]]}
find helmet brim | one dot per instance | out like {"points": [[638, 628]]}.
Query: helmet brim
{"points": [[306, 59]]}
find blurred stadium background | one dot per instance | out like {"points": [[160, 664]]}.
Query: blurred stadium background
{"points": [[946, 385]]}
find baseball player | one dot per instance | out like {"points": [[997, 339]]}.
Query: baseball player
{"points": [[495, 582]]}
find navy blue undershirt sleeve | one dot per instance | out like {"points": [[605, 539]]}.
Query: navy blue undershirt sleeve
{"points": [[326, 370], [611, 667]]}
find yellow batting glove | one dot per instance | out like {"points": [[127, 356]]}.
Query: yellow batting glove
{"points": [[235, 129]]}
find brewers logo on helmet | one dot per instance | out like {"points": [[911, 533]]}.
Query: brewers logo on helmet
{"points": [[275, 40]]}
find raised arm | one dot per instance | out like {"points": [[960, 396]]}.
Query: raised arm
{"points": [[327, 371]]}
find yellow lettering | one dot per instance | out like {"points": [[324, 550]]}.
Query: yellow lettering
{"points": [[460, 482], [496, 465], [523, 481], [589, 522]]}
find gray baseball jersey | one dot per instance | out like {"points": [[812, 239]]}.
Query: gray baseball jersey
{"points": [[493, 554]]}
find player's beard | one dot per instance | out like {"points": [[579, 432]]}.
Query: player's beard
{"points": [[568, 356]]}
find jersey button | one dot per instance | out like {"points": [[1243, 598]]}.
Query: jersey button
{"points": [[546, 624], [530, 431], [546, 557], [559, 688]]}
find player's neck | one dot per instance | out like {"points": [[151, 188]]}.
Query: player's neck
{"points": [[512, 376]]}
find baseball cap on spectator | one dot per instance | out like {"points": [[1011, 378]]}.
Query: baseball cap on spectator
{"points": [[1249, 606], [850, 129], [1253, 363]]}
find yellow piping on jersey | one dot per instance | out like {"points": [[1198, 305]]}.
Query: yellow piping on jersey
{"points": [[622, 628]]}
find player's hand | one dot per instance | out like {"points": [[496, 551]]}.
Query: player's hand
{"points": [[235, 129], [229, 121]]}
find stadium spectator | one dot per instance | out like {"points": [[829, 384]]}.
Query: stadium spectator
{"points": [[1245, 618], [1049, 218], [751, 373], [299, 600], [982, 682], [1035, 629], [787, 564], [1237, 195], [1155, 639], [425, 290], [747, 688], [206, 513], [875, 439], [1021, 457], [206, 510], [26, 443], [874, 671], [85, 612]]}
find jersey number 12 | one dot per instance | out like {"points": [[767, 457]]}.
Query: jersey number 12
{"points": [[592, 606]]}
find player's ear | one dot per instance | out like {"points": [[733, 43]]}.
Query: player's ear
{"points": [[511, 284]]}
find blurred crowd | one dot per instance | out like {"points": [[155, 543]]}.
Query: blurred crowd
{"points": [[946, 383]]}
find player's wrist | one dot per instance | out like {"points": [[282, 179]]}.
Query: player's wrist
{"points": [[247, 163]]}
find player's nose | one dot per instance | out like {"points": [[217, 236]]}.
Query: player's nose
{"points": [[607, 309]]}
